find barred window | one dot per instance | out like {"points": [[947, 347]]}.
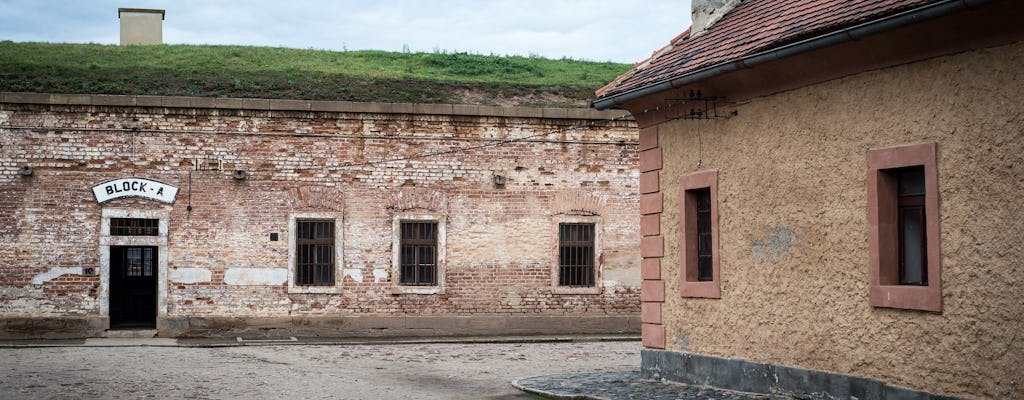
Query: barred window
{"points": [[418, 264], [703, 232], [314, 242], [134, 227], [576, 254]]}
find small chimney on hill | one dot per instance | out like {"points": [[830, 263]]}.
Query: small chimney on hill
{"points": [[706, 12], [141, 26]]}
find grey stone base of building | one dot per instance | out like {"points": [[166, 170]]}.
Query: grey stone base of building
{"points": [[52, 327], [751, 377], [67, 327]]}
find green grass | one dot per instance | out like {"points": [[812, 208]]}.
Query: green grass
{"points": [[282, 73]]}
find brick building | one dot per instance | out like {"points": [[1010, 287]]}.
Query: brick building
{"points": [[202, 216], [831, 198]]}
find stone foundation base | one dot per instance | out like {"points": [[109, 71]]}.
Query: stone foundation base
{"points": [[66, 327], [751, 377], [52, 327], [396, 326]]}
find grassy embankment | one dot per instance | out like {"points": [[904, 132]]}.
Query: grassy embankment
{"points": [[281, 73]]}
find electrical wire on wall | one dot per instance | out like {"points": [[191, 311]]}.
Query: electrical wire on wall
{"points": [[464, 149], [700, 147], [535, 138]]}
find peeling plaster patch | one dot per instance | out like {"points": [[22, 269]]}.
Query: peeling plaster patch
{"points": [[777, 242], [379, 274], [54, 273], [355, 273], [191, 275], [621, 277], [256, 276], [684, 344]]}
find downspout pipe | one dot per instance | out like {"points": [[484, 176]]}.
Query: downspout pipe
{"points": [[855, 32]]}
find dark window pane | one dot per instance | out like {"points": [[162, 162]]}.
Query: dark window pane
{"points": [[418, 253], [910, 181], [314, 253], [576, 255], [911, 226], [705, 269], [913, 268], [133, 261]]}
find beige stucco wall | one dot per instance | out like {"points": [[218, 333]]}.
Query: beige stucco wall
{"points": [[793, 226], [141, 27]]}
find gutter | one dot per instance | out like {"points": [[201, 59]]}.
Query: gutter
{"points": [[909, 17]]}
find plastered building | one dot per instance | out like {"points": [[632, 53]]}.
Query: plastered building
{"points": [[831, 199], [197, 216], [141, 26]]}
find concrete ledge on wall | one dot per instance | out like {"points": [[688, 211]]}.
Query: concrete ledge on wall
{"points": [[308, 105], [395, 326], [51, 327], [752, 377]]}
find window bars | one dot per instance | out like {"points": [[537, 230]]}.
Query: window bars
{"points": [[134, 227], [314, 242], [576, 254], [418, 264]]}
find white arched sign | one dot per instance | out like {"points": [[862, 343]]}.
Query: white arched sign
{"points": [[134, 187]]}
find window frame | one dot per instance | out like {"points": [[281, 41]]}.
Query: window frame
{"points": [[883, 234], [339, 257], [417, 244], [396, 254], [689, 284], [578, 244], [598, 224], [314, 242]]}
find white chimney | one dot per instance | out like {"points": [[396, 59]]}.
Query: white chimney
{"points": [[706, 12], [141, 26]]}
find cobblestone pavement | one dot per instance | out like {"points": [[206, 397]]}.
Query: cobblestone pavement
{"points": [[620, 385], [377, 371]]}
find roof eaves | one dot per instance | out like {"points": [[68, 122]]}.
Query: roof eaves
{"points": [[842, 34]]}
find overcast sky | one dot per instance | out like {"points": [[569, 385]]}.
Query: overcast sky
{"points": [[600, 30]]}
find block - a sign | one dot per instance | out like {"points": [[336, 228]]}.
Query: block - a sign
{"points": [[137, 187]]}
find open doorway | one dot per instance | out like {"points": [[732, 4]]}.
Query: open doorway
{"points": [[133, 287]]}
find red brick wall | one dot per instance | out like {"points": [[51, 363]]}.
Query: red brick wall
{"points": [[500, 245]]}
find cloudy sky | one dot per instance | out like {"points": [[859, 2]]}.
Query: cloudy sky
{"points": [[599, 30]]}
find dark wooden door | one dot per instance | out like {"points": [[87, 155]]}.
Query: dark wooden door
{"points": [[133, 280]]}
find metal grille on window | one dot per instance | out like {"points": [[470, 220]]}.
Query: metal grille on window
{"points": [[138, 261], [419, 254], [913, 254], [576, 255], [314, 242], [704, 256], [134, 227]]}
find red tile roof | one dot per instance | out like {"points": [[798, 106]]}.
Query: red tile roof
{"points": [[751, 27]]}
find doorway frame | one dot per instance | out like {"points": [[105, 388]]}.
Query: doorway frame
{"points": [[159, 241]]}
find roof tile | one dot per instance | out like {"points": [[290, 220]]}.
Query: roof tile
{"points": [[753, 26]]}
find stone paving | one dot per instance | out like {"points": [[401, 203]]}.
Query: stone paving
{"points": [[457, 368], [620, 385], [224, 369]]}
